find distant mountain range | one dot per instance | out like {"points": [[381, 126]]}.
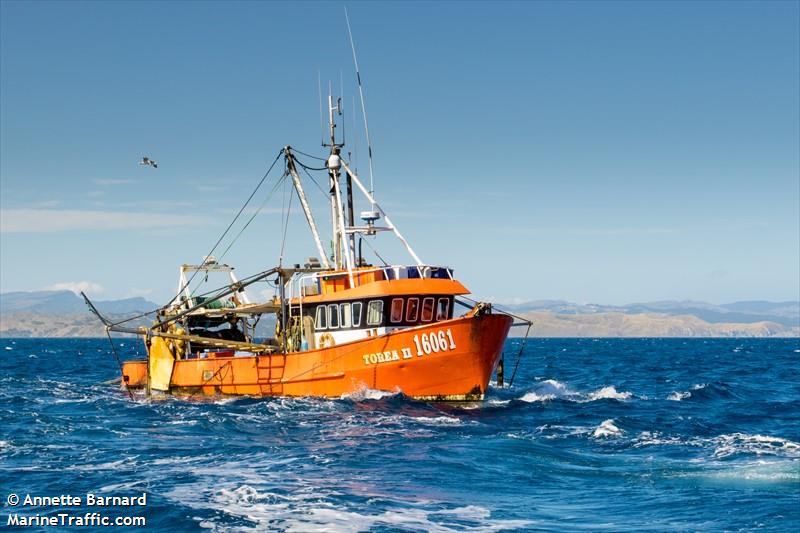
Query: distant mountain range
{"points": [[747, 312], [66, 302], [64, 314]]}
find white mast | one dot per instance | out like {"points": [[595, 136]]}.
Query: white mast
{"points": [[334, 164]]}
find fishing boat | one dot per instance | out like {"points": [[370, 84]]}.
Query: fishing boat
{"points": [[341, 324]]}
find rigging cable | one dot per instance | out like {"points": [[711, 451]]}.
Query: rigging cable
{"points": [[285, 227], [519, 355], [282, 179], [308, 167], [308, 155], [305, 169], [212, 249], [376, 252], [241, 210], [119, 363]]}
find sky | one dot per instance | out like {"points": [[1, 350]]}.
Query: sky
{"points": [[596, 152]]}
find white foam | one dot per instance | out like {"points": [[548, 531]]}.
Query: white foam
{"points": [[369, 394], [546, 390], [551, 389], [609, 393], [607, 429], [531, 397], [654, 438], [495, 401], [726, 445], [309, 510], [678, 396], [734, 443], [438, 420]]}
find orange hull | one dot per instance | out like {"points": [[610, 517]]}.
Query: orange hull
{"points": [[449, 360]]}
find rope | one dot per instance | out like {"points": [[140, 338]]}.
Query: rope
{"points": [[308, 167], [119, 362], [519, 356], [204, 383]]}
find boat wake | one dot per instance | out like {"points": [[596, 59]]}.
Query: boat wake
{"points": [[246, 508]]}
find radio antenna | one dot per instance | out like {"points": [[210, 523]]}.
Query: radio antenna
{"points": [[363, 106], [321, 122]]}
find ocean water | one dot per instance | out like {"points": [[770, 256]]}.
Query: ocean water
{"points": [[594, 435]]}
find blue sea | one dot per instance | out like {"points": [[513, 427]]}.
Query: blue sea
{"points": [[594, 435]]}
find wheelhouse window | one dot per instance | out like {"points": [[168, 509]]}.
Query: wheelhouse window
{"points": [[412, 310], [321, 320], [427, 309], [356, 314], [443, 309], [375, 313], [344, 315], [333, 316], [397, 310]]}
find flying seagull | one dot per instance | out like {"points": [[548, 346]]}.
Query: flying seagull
{"points": [[147, 161]]}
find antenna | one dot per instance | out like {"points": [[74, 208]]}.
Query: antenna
{"points": [[321, 121], [363, 106], [341, 106]]}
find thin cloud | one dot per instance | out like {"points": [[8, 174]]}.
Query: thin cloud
{"points": [[212, 188], [109, 182], [60, 220], [47, 204], [77, 287], [134, 292]]}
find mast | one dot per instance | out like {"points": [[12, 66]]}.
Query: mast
{"points": [[343, 253]]}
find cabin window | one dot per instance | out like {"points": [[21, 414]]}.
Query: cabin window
{"points": [[344, 315], [321, 321], [443, 310], [375, 313], [356, 314], [412, 310], [333, 316], [427, 309], [397, 310]]}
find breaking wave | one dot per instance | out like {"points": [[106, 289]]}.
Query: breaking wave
{"points": [[551, 390]]}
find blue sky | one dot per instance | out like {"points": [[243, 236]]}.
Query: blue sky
{"points": [[589, 151]]}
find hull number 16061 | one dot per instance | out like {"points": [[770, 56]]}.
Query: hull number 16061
{"points": [[426, 343], [436, 341]]}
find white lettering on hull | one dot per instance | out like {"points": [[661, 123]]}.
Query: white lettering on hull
{"points": [[427, 343]]}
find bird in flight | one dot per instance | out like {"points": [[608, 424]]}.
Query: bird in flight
{"points": [[147, 161]]}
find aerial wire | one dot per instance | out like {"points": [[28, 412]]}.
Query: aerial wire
{"points": [[321, 120], [363, 105]]}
